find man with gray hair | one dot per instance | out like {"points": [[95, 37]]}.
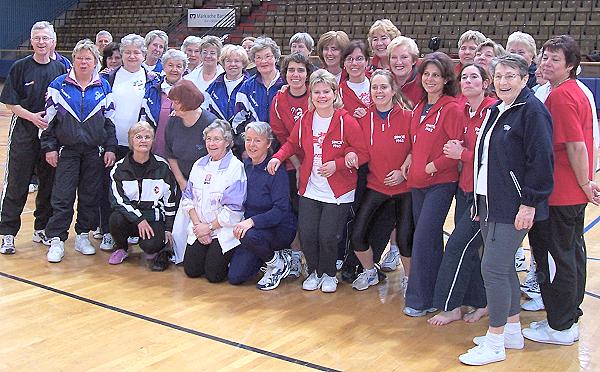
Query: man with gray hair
{"points": [[103, 38], [24, 94], [156, 42]]}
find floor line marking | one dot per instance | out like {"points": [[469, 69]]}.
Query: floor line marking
{"points": [[171, 325]]}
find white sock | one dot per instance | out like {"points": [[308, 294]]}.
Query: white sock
{"points": [[512, 328], [494, 341]]}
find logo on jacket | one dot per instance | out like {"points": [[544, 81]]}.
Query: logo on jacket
{"points": [[400, 138], [156, 190], [430, 127], [99, 95], [506, 127], [337, 144], [297, 113], [477, 129], [207, 179], [64, 93]]}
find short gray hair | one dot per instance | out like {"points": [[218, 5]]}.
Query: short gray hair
{"points": [[304, 38], [135, 40], [224, 127], [136, 128], [213, 41], [44, 25], [151, 35], [263, 43], [104, 33], [191, 40], [261, 128], [473, 35], [86, 44], [175, 54], [513, 61], [522, 37]]}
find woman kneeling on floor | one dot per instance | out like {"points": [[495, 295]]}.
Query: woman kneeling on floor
{"points": [[269, 225], [213, 198], [143, 197]]}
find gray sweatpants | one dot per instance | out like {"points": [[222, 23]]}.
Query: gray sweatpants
{"points": [[500, 278]]}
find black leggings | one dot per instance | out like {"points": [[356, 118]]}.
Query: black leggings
{"points": [[366, 217], [121, 229], [208, 260]]}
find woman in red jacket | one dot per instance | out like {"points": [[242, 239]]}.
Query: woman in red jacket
{"points": [[459, 280], [288, 106], [386, 128], [331, 141], [432, 176]]}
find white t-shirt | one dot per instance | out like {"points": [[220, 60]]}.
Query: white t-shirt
{"points": [[231, 84], [482, 176], [362, 91], [318, 188], [198, 80], [128, 93]]}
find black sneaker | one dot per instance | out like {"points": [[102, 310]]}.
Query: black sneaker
{"points": [[161, 261]]}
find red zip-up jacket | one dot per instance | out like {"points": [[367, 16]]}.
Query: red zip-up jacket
{"points": [[443, 122], [343, 136], [349, 98], [388, 142], [471, 130], [282, 120]]}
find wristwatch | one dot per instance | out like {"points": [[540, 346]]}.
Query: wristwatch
{"points": [[211, 227]]}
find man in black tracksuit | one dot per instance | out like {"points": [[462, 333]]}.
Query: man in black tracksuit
{"points": [[23, 94]]}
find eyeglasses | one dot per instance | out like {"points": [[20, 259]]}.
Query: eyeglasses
{"points": [[358, 59], [508, 78], [265, 58], [41, 38], [211, 53], [139, 137], [214, 139], [84, 59]]}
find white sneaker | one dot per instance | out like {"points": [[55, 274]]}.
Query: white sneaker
{"points": [[365, 280], [404, 285], [56, 252], [530, 286], [328, 283], [8, 245], [538, 324], [575, 329], [312, 283], [339, 264], [391, 260], [83, 244], [276, 271], [544, 323], [33, 187], [545, 334], [107, 243], [133, 240], [535, 304], [520, 261], [39, 236], [511, 341], [415, 313], [296, 264], [481, 355], [98, 234]]}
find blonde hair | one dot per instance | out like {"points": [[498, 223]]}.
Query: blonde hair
{"points": [[325, 77], [406, 42], [231, 49], [398, 97], [340, 38], [87, 44], [476, 36], [522, 37], [212, 41], [498, 49], [386, 26], [140, 126]]}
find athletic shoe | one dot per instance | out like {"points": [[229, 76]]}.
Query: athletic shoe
{"points": [[296, 265], [404, 285], [33, 187], [83, 244], [538, 324], [107, 243], [575, 330], [520, 261], [545, 334], [98, 234], [391, 260], [118, 257], [133, 240], [276, 271], [530, 286], [312, 283], [339, 264], [39, 236], [328, 284], [544, 323], [511, 341], [366, 279], [8, 245], [481, 355], [161, 261], [418, 313], [535, 304], [56, 252]]}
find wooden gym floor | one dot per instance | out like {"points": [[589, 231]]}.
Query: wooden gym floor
{"points": [[83, 314]]}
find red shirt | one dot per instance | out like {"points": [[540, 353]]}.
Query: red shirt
{"points": [[388, 142], [286, 111], [343, 136], [571, 122], [471, 130], [413, 89], [443, 122], [350, 99]]}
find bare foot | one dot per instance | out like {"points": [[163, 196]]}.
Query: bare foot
{"points": [[445, 317], [476, 315]]}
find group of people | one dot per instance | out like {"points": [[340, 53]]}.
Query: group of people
{"points": [[228, 159]]}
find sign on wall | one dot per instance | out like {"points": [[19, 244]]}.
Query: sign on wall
{"points": [[206, 17]]}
